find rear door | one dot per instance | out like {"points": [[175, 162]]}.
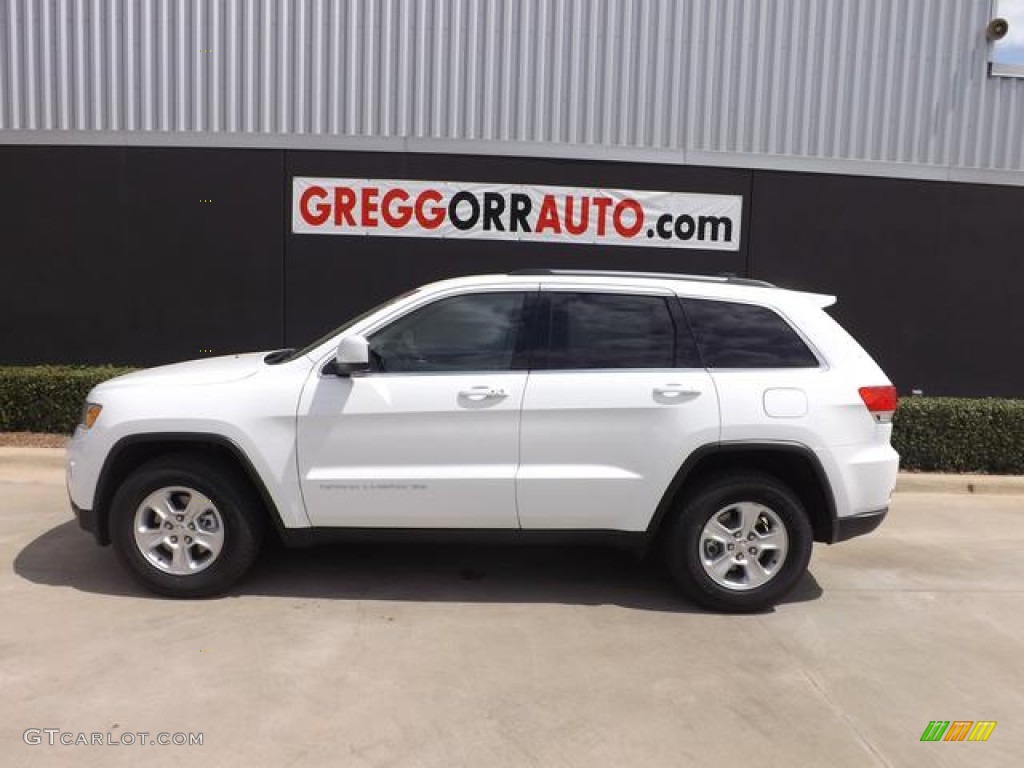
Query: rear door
{"points": [[615, 401]]}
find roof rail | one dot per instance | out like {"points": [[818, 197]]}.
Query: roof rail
{"points": [[729, 278]]}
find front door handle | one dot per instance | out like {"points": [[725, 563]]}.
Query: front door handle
{"points": [[676, 392], [483, 393]]}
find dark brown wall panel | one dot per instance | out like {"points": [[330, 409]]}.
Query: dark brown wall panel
{"points": [[928, 274], [113, 255], [60, 246], [215, 267]]}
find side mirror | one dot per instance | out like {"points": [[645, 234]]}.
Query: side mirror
{"points": [[353, 356]]}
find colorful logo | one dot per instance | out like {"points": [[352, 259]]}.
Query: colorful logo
{"points": [[958, 730]]}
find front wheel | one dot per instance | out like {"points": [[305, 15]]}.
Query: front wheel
{"points": [[739, 543], [186, 527]]}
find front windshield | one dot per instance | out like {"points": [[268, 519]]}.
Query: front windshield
{"points": [[340, 329]]}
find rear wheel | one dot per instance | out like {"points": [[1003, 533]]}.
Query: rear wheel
{"points": [[739, 543], [186, 527]]}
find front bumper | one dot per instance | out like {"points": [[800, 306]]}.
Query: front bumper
{"points": [[852, 526], [89, 521]]}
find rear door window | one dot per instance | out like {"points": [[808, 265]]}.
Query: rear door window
{"points": [[606, 330]]}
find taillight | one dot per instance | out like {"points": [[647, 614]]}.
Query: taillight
{"points": [[880, 401]]}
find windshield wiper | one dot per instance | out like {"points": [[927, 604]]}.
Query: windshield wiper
{"points": [[280, 356]]}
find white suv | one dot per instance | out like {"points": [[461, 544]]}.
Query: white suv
{"points": [[725, 422]]}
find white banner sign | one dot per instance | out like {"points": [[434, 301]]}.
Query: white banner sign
{"points": [[515, 212]]}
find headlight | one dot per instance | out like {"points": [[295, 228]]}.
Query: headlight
{"points": [[90, 413]]}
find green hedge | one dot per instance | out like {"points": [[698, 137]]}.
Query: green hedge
{"points": [[47, 398], [947, 434], [938, 434]]}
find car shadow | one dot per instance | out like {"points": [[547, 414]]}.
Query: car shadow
{"points": [[429, 572]]}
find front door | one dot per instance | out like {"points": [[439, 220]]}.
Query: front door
{"points": [[430, 437]]}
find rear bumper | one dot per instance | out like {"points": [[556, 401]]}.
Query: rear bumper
{"points": [[89, 521], [857, 525]]}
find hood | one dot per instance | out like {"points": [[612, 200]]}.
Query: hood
{"points": [[212, 370]]}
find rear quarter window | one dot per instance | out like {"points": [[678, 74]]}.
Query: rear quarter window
{"points": [[734, 335]]}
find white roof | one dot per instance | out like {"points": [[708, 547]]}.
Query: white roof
{"points": [[710, 286]]}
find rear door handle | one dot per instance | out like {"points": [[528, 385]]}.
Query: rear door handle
{"points": [[676, 392], [483, 393]]}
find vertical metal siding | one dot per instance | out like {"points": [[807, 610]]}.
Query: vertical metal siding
{"points": [[887, 81]]}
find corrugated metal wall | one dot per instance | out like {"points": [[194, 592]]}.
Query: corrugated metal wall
{"points": [[803, 84]]}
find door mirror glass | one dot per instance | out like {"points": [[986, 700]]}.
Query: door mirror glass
{"points": [[353, 356]]}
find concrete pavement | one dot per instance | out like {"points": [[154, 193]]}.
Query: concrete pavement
{"points": [[472, 656]]}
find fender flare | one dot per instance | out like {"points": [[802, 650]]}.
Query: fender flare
{"points": [[739, 447], [105, 487]]}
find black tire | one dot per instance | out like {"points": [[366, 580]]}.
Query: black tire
{"points": [[240, 512], [683, 547]]}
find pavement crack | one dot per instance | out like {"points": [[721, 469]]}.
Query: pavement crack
{"points": [[864, 741]]}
